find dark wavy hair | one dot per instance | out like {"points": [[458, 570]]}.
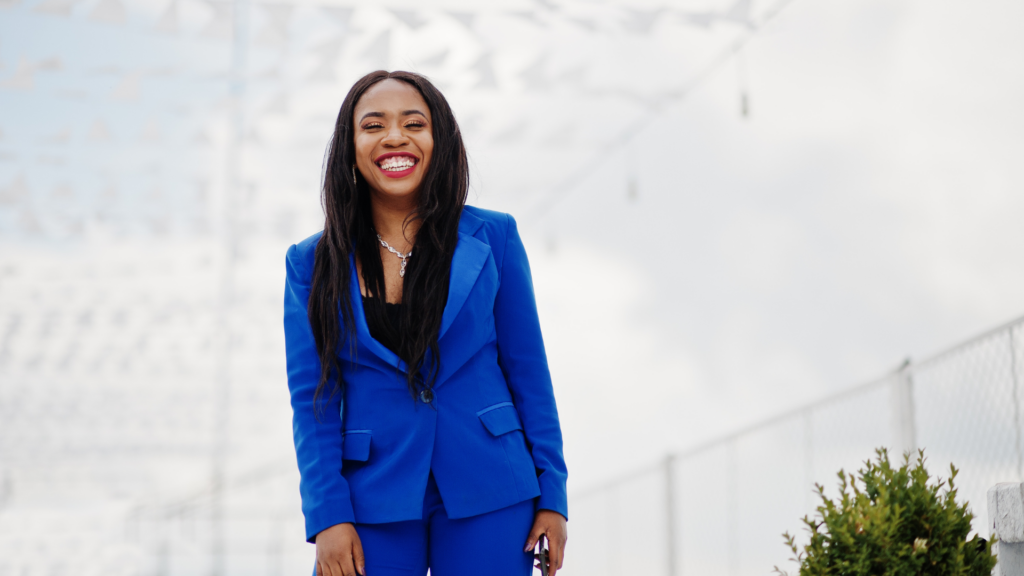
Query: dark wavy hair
{"points": [[348, 230]]}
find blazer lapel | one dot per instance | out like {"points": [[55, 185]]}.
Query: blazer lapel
{"points": [[363, 329], [467, 262]]}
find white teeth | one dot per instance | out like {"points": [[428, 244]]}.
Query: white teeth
{"points": [[397, 163]]}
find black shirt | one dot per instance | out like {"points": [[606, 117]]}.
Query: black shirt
{"points": [[385, 332]]}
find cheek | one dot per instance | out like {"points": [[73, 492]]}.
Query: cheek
{"points": [[427, 146], [363, 149]]}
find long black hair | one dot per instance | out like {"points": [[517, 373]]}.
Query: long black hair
{"points": [[348, 230]]}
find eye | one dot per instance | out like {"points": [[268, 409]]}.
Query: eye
{"points": [[415, 124], [371, 125]]}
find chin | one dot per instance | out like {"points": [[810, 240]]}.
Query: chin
{"points": [[399, 191]]}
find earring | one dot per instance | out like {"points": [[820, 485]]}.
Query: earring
{"points": [[354, 181]]}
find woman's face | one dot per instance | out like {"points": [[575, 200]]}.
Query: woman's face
{"points": [[393, 138]]}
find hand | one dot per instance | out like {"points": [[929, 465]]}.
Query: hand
{"points": [[339, 552], [552, 525]]}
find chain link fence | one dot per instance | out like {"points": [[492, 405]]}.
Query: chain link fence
{"points": [[721, 508], [113, 452]]}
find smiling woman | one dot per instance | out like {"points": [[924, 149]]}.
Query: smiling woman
{"points": [[425, 424]]}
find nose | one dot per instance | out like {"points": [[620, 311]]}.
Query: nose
{"points": [[395, 137]]}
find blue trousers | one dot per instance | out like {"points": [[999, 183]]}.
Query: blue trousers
{"points": [[488, 544]]}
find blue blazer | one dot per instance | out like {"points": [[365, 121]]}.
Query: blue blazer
{"points": [[491, 434]]}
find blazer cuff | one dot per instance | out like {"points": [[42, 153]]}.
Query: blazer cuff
{"points": [[553, 498], [327, 514]]}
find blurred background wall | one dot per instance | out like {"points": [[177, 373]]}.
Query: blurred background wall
{"points": [[732, 207]]}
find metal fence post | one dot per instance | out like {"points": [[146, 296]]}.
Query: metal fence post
{"points": [[670, 516], [229, 202], [1016, 404], [733, 510], [904, 426], [613, 532], [808, 422]]}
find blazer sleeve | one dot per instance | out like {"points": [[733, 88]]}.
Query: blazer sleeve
{"points": [[326, 500], [524, 363]]}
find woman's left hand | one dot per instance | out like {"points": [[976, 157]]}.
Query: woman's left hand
{"points": [[552, 525]]}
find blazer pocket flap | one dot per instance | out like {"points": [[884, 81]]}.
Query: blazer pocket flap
{"points": [[356, 445], [500, 418]]}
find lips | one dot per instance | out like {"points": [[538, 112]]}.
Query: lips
{"points": [[396, 164]]}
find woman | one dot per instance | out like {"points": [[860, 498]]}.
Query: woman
{"points": [[424, 418]]}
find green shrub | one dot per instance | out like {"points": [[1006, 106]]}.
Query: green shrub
{"points": [[892, 522]]}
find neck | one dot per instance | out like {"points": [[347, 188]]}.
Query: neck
{"points": [[389, 219]]}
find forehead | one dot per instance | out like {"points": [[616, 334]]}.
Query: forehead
{"points": [[391, 96]]}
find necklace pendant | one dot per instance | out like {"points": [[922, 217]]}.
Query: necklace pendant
{"points": [[401, 273]]}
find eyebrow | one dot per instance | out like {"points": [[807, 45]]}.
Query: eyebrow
{"points": [[381, 114]]}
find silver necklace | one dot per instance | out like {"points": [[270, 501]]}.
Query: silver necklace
{"points": [[401, 273]]}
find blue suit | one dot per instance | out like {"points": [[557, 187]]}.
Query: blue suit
{"points": [[490, 435]]}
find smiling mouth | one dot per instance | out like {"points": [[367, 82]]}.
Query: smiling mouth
{"points": [[397, 163]]}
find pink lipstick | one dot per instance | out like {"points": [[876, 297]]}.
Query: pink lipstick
{"points": [[397, 164]]}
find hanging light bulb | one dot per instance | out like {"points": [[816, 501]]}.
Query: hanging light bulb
{"points": [[632, 189], [741, 82]]}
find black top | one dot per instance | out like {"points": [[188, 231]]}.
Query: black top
{"points": [[384, 332]]}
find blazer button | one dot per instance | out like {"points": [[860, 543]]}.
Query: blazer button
{"points": [[427, 396]]}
